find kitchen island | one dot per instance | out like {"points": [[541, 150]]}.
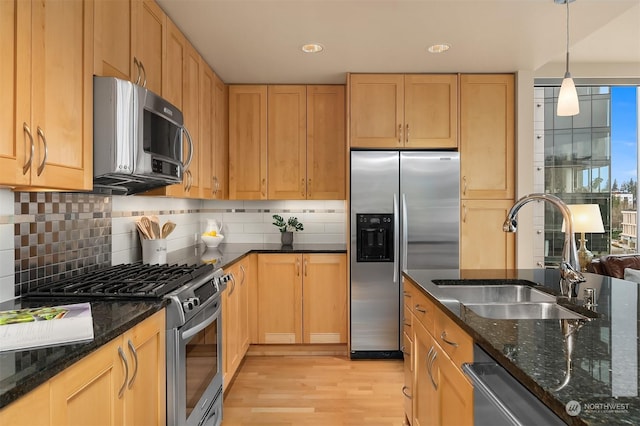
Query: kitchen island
{"points": [[604, 377]]}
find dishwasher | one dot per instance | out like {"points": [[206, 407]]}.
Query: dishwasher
{"points": [[499, 399]]}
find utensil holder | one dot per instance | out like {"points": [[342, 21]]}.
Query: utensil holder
{"points": [[154, 252]]}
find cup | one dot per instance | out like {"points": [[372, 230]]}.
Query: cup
{"points": [[154, 252]]}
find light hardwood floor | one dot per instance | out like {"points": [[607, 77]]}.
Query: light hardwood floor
{"points": [[315, 390]]}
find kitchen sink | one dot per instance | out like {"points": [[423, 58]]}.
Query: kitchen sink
{"points": [[494, 294], [539, 310]]}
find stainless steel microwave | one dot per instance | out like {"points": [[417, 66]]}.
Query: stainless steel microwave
{"points": [[137, 138]]}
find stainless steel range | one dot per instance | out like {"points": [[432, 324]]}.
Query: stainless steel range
{"points": [[194, 357]]}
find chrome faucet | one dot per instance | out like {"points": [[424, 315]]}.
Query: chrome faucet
{"points": [[570, 266]]}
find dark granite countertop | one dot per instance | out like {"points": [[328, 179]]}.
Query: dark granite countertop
{"points": [[605, 374], [23, 370], [226, 254]]}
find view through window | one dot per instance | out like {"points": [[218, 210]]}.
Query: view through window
{"points": [[592, 158]]}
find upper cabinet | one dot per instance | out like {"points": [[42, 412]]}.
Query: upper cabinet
{"points": [[128, 41], [487, 148], [248, 142], [220, 163], [403, 111], [47, 141], [302, 156]]}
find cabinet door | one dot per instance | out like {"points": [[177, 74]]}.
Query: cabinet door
{"points": [[481, 227], [61, 94], [247, 142], [377, 110], [455, 393], [431, 111], [112, 39], [326, 143], [145, 348], [32, 409], [89, 390], [191, 112], [221, 141], [280, 298], [324, 296], [487, 152], [173, 64], [407, 389], [287, 142], [147, 41], [425, 393], [207, 135], [243, 307], [14, 142], [230, 341]]}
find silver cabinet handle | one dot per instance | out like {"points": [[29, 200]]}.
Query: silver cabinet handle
{"points": [[132, 348], [216, 185], [263, 187], [27, 165], [297, 267], [443, 336], [308, 188], [464, 188], [46, 150], [399, 133], [305, 266], [404, 391], [136, 63], [404, 351], [302, 187], [407, 294], [126, 372], [144, 74], [420, 309], [433, 360], [406, 136], [464, 214], [244, 274], [233, 285]]}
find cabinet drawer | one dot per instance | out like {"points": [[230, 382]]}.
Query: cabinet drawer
{"points": [[454, 341], [423, 309], [407, 319]]}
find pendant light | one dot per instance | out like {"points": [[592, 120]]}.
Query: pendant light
{"points": [[568, 104]]}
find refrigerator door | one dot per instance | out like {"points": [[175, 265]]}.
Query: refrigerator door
{"points": [[375, 286], [430, 209]]}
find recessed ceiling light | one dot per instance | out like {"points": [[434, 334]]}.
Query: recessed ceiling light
{"points": [[312, 48], [439, 48]]}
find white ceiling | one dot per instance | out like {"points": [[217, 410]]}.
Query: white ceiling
{"points": [[258, 41]]}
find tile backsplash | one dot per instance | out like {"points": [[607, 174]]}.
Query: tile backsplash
{"points": [[48, 235]]}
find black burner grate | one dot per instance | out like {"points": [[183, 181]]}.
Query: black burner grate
{"points": [[127, 280]]}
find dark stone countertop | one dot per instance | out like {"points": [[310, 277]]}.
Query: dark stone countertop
{"points": [[606, 364], [23, 370]]}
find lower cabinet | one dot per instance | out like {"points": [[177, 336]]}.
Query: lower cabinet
{"points": [[440, 392], [122, 383], [235, 318], [302, 298]]}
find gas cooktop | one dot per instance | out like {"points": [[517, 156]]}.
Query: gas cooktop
{"points": [[135, 280]]}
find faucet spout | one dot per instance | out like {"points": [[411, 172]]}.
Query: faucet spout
{"points": [[570, 267]]}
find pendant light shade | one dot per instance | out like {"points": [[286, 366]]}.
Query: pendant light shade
{"points": [[568, 104]]}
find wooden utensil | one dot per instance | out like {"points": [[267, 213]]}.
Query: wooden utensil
{"points": [[167, 228], [155, 224], [147, 224], [143, 231]]}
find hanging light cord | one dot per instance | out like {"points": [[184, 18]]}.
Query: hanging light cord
{"points": [[567, 70]]}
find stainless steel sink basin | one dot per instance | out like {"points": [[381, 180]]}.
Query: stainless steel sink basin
{"points": [[495, 294], [540, 310]]}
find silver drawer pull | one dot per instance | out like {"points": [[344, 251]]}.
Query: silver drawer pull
{"points": [[420, 309], [443, 336], [404, 392]]}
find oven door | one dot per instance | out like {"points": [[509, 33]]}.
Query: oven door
{"points": [[194, 375]]}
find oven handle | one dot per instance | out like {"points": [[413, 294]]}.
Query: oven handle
{"points": [[187, 334]]}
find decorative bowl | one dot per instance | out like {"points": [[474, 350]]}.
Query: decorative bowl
{"points": [[210, 241]]}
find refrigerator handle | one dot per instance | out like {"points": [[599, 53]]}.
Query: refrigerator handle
{"points": [[405, 234], [396, 237]]}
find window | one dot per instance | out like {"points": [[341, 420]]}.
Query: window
{"points": [[592, 158]]}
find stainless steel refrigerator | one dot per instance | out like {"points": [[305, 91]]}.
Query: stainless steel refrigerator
{"points": [[405, 210]]}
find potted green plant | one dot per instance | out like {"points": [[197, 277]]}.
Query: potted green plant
{"points": [[287, 228]]}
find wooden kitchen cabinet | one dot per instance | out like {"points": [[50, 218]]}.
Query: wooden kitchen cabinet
{"points": [[235, 319], [441, 393], [248, 142], [220, 164], [302, 298], [97, 390], [487, 129], [48, 133], [404, 111], [33, 409], [326, 142], [480, 228], [128, 41], [287, 142]]}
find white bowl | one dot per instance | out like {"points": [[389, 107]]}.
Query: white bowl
{"points": [[210, 241]]}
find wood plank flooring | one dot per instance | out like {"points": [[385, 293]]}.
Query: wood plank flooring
{"points": [[315, 390]]}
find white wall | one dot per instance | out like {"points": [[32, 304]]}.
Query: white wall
{"points": [[7, 256]]}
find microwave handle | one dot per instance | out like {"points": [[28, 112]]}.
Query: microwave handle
{"points": [[186, 165]]}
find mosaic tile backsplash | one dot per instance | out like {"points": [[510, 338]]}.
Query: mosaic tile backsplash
{"points": [[57, 235]]}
